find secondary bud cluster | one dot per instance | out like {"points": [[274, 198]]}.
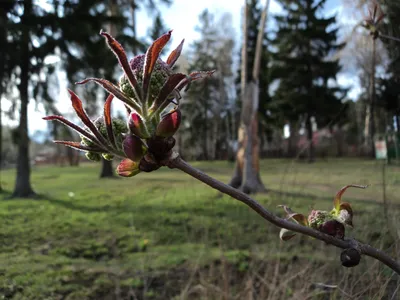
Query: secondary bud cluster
{"points": [[331, 223], [150, 91]]}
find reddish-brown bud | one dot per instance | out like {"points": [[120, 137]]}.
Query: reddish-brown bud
{"points": [[333, 228], [134, 148], [169, 124], [326, 223]]}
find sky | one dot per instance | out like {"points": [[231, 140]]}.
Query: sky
{"points": [[182, 17]]}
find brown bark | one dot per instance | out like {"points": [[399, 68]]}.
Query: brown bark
{"points": [[339, 137], [247, 171], [23, 185], [107, 169]]}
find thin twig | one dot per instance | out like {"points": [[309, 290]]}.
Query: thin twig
{"points": [[389, 37], [179, 163]]}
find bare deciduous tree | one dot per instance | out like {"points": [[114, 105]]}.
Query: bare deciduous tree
{"points": [[247, 170]]}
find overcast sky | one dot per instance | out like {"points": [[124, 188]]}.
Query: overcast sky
{"points": [[182, 17]]}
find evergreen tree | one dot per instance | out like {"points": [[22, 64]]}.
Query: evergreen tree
{"points": [[389, 96], [5, 70], [304, 64], [94, 59], [31, 38], [36, 31], [158, 28]]}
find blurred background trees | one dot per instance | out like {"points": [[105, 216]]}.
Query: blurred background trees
{"points": [[303, 108], [305, 66]]}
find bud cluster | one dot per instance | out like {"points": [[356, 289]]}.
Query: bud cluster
{"points": [[150, 91], [331, 223]]}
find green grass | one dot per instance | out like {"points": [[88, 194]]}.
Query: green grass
{"points": [[85, 238]]}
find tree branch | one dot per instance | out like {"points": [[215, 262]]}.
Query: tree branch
{"points": [[179, 163]]}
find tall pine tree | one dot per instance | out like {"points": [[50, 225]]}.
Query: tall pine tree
{"points": [[305, 66], [30, 38]]}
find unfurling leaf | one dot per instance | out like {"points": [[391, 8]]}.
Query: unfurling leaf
{"points": [[80, 146], [108, 121], [151, 57], [174, 55], [338, 197], [166, 90], [286, 234], [123, 61], [113, 89], [299, 218], [78, 129]]}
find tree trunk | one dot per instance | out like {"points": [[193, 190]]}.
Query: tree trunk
{"points": [[216, 149], [205, 132], [311, 150], [2, 52], [370, 109], [251, 169], [70, 156], [339, 141], [229, 138], [372, 122], [292, 141], [1, 129], [247, 171], [23, 185], [107, 170]]}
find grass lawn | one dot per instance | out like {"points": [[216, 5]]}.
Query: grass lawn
{"points": [[164, 235]]}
